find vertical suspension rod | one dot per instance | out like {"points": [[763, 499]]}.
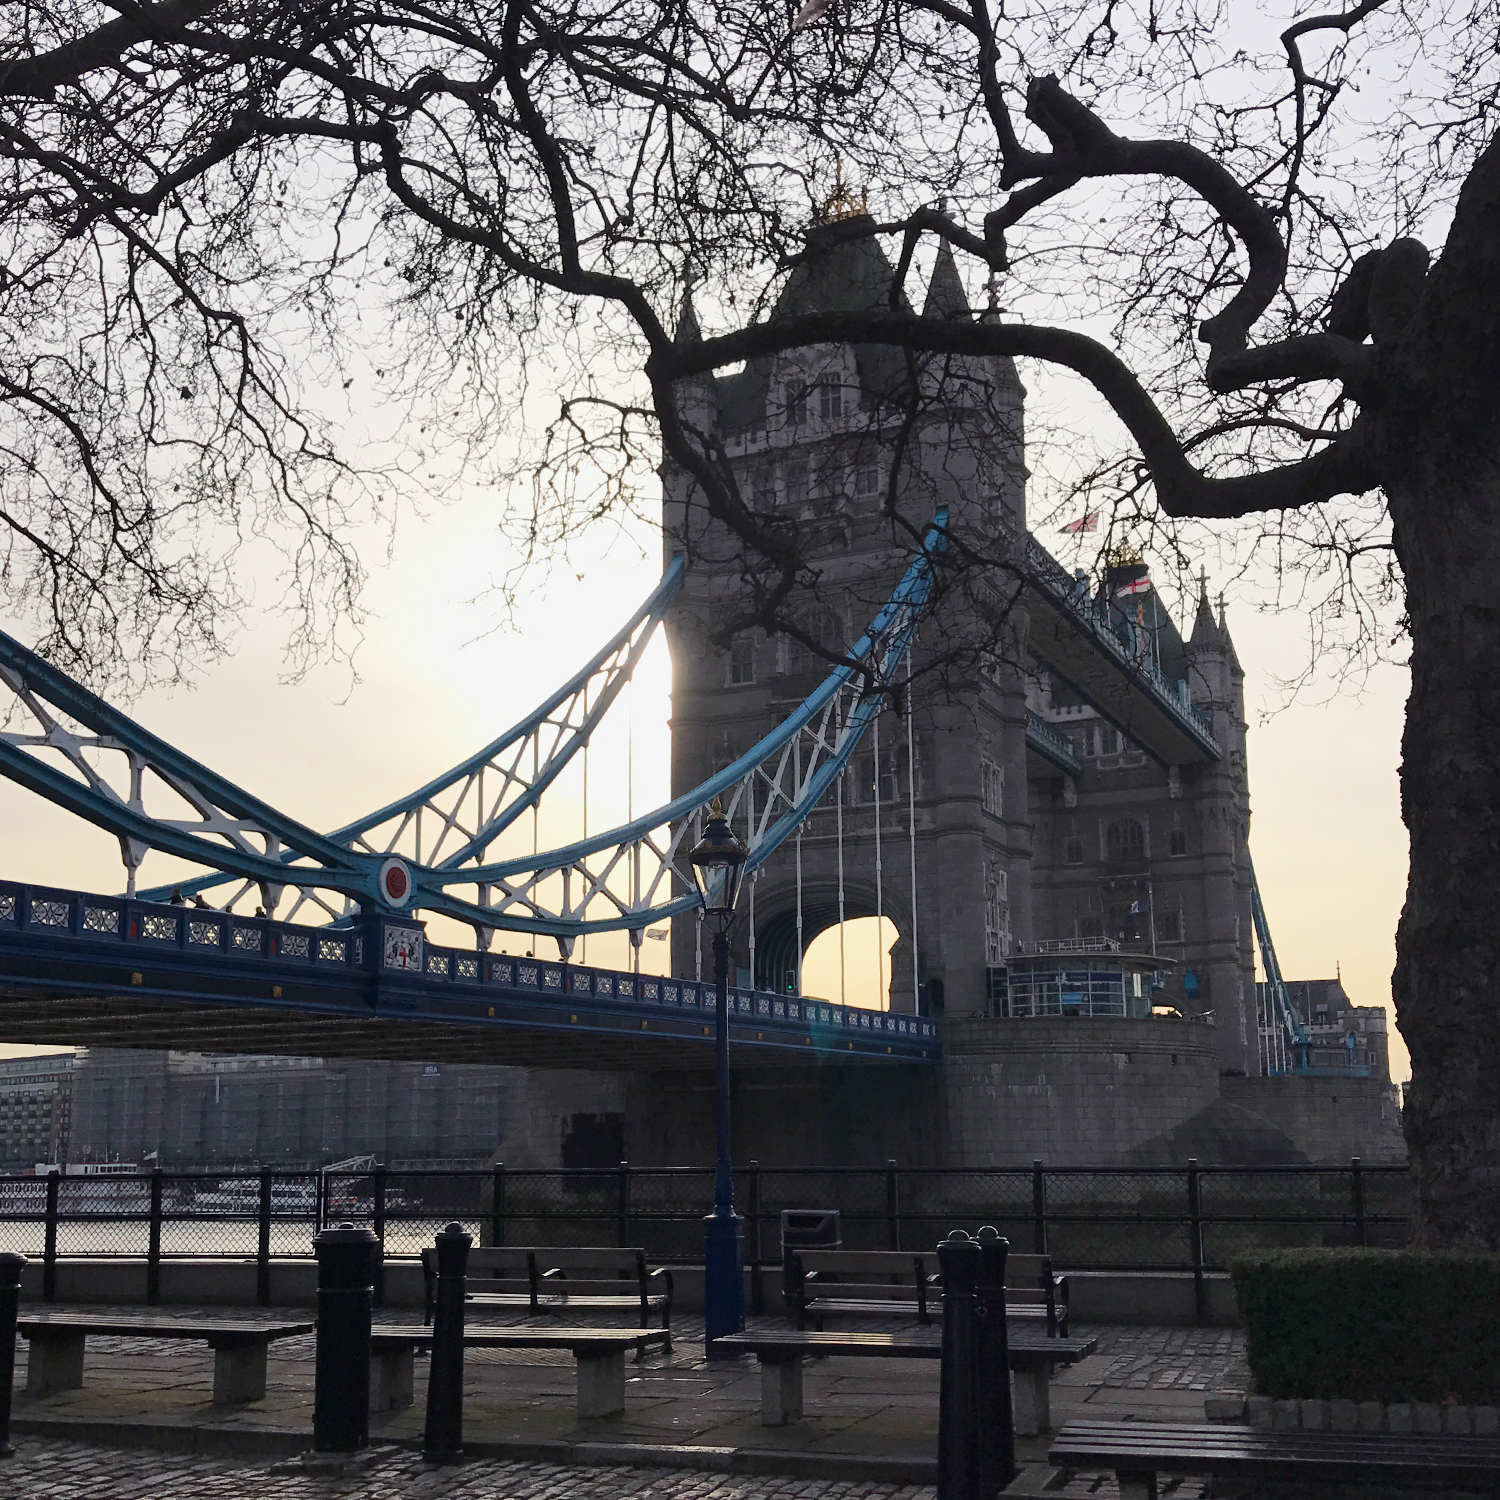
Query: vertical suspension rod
{"points": [[879, 900], [911, 837], [838, 802]]}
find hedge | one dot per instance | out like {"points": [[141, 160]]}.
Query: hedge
{"points": [[1372, 1325]]}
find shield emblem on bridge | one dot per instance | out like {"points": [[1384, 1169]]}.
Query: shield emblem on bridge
{"points": [[403, 948]]}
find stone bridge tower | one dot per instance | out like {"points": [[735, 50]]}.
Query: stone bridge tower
{"points": [[1007, 849], [814, 436]]}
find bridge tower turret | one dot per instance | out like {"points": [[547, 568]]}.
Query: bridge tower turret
{"points": [[814, 437], [1220, 796]]}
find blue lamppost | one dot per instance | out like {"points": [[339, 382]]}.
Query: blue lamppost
{"points": [[718, 862]]}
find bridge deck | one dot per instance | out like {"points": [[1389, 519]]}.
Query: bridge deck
{"points": [[1069, 635], [80, 969]]}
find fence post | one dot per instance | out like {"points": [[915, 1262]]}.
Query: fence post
{"points": [[341, 1372], [153, 1242], [1038, 1208], [10, 1303], [49, 1241], [443, 1437], [377, 1224], [997, 1423], [752, 1224], [1357, 1190], [892, 1206], [622, 1229], [263, 1242], [1195, 1241], [497, 1205], [958, 1379]]}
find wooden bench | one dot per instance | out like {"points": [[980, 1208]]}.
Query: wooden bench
{"points": [[54, 1360], [540, 1280], [873, 1283], [1032, 1357], [1138, 1451], [600, 1353]]}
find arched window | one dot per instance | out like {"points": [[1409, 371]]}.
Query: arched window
{"points": [[822, 624], [1124, 840]]}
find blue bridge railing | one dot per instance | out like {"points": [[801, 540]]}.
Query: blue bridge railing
{"points": [[384, 966]]}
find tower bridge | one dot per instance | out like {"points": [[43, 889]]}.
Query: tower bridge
{"points": [[1060, 840]]}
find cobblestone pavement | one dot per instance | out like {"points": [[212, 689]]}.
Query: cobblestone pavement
{"points": [[42, 1470], [1170, 1359]]}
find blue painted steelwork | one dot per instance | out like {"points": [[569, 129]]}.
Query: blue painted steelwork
{"points": [[1287, 1028], [1117, 638], [1051, 744], [1287, 1042], [60, 942], [570, 714], [634, 875]]}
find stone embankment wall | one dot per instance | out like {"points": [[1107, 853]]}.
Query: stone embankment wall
{"points": [[1330, 1119], [1085, 1091], [1074, 1091]]}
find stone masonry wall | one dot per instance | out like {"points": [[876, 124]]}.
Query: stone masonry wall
{"points": [[1330, 1119], [1074, 1091]]}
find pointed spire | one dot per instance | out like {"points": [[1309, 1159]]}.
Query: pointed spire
{"points": [[688, 331], [946, 297], [1207, 631]]}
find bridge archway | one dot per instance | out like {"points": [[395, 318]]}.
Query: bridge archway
{"points": [[776, 955]]}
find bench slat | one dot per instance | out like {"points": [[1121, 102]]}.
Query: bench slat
{"points": [[162, 1328], [895, 1345], [528, 1338], [1228, 1451]]}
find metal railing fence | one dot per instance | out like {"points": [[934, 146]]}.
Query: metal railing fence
{"points": [[1188, 1218]]}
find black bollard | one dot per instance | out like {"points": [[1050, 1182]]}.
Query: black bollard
{"points": [[958, 1399], [341, 1379], [10, 1303], [444, 1438], [997, 1425]]}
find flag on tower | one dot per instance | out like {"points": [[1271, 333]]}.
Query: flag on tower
{"points": [[1086, 522], [1140, 585]]}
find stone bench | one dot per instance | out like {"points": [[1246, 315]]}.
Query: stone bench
{"points": [[600, 1353], [54, 1360], [1032, 1359]]}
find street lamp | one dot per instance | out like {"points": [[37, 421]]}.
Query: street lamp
{"points": [[718, 862]]}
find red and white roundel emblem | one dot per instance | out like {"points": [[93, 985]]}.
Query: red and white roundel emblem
{"points": [[395, 883]]}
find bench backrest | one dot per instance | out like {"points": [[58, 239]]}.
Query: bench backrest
{"points": [[911, 1276], [489, 1265], [896, 1264], [519, 1268], [865, 1275], [1029, 1278], [599, 1261]]}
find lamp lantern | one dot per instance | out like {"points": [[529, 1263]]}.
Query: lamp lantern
{"points": [[718, 861]]}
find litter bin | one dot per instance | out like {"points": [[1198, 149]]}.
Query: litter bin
{"points": [[810, 1229], [806, 1229]]}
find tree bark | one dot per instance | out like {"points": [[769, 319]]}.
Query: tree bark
{"points": [[1440, 465]]}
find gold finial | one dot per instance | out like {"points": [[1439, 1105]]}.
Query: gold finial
{"points": [[841, 203], [1123, 555]]}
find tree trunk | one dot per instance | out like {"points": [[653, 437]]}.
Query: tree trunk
{"points": [[1440, 461]]}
